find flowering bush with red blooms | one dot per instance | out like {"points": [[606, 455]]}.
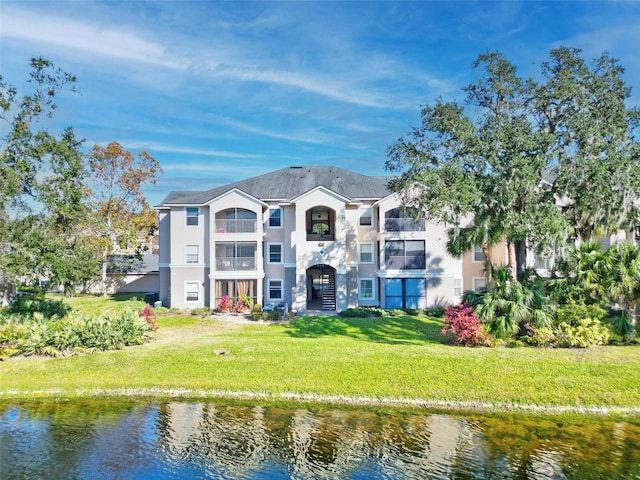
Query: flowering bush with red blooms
{"points": [[226, 303], [149, 316], [464, 325], [240, 306]]}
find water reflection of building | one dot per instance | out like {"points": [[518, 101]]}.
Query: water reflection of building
{"points": [[234, 441], [226, 441]]}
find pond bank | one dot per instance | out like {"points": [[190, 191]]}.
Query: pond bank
{"points": [[332, 400]]}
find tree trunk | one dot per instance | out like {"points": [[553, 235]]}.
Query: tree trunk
{"points": [[632, 309], [511, 256], [103, 283], [488, 264], [521, 258], [6, 290]]}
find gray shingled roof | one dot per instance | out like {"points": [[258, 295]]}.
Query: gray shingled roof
{"points": [[288, 183]]}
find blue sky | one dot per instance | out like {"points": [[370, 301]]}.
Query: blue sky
{"points": [[221, 91]]}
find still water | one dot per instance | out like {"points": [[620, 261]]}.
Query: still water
{"points": [[181, 440]]}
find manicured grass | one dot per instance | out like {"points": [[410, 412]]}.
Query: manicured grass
{"points": [[96, 304], [393, 357]]}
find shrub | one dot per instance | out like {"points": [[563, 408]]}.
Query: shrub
{"points": [[75, 333], [464, 326], [48, 308], [240, 306], [226, 303], [256, 311], [148, 314], [585, 333], [201, 311], [541, 337], [246, 300], [622, 325], [572, 312], [436, 311], [273, 315], [362, 312]]}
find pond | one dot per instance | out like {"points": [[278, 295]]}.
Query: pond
{"points": [[129, 439]]}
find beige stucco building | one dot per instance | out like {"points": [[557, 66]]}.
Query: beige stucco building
{"points": [[317, 238]]}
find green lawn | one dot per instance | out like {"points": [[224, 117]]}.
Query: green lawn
{"points": [[393, 357]]}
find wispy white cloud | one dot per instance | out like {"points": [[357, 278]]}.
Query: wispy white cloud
{"points": [[313, 136], [311, 82], [92, 38], [153, 147]]}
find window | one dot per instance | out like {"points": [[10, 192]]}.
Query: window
{"points": [[275, 252], [479, 284], [275, 218], [401, 220], [405, 254], [365, 219], [478, 254], [393, 290], [457, 287], [192, 291], [415, 293], [192, 254], [320, 223], [405, 293], [366, 289], [366, 253], [192, 216], [275, 289]]}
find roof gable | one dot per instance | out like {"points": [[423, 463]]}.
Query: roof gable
{"points": [[240, 193], [321, 191]]}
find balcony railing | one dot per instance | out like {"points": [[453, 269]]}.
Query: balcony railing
{"points": [[402, 262], [314, 237], [235, 263], [403, 225], [242, 225]]}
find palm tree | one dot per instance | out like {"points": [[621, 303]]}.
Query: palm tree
{"points": [[580, 274], [623, 281], [510, 304]]}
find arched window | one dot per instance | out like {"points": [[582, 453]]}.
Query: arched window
{"points": [[320, 223], [236, 220]]}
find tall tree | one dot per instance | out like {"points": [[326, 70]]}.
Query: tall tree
{"points": [[120, 218], [595, 154], [489, 166], [40, 180], [533, 163]]}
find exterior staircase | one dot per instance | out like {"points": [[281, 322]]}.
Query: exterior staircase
{"points": [[329, 291]]}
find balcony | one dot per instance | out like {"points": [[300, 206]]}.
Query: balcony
{"points": [[240, 225], [406, 262], [232, 264], [404, 225]]}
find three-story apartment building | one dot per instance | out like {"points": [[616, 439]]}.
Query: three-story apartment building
{"points": [[317, 238]]}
